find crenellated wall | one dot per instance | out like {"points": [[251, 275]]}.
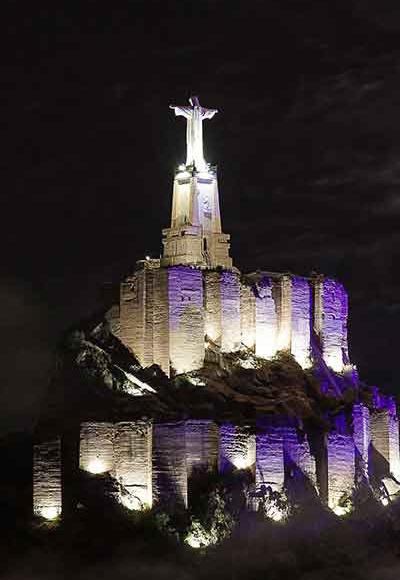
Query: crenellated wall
{"points": [[47, 492], [166, 314], [154, 463]]}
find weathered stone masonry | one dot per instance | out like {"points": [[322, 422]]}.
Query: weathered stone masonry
{"points": [[47, 496]]}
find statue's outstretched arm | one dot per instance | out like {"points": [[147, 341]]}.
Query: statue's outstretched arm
{"points": [[208, 113], [182, 111]]}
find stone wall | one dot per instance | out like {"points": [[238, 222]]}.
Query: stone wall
{"points": [[169, 464], [133, 462], [270, 468], [186, 318], [161, 320], [385, 443], [248, 316], [132, 314], [266, 318], [283, 298], [47, 493], [362, 438], [301, 320], [330, 321], [166, 314], [341, 469], [222, 308], [96, 449], [237, 448], [298, 460], [201, 439]]}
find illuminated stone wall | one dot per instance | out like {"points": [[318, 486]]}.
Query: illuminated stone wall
{"points": [[212, 302], [47, 494], [133, 462], [132, 314], [283, 298], [385, 441], [270, 468], [301, 320], [362, 438], [201, 437], [169, 464], [222, 309], [341, 468], [186, 318], [248, 316], [266, 320], [331, 310], [160, 316], [96, 449], [298, 460], [237, 448], [166, 313]]}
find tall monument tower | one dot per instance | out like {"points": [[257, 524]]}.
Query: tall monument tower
{"points": [[195, 236]]}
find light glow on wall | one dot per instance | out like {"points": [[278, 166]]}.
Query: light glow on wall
{"points": [[275, 514], [342, 511], [334, 361], [96, 466], [242, 461], [49, 512]]}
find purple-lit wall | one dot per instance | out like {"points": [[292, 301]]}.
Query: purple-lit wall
{"points": [[201, 438], [301, 320], [330, 321], [266, 319], [237, 447], [341, 468], [169, 464], [362, 438], [270, 468]]}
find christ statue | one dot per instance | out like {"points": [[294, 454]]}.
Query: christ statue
{"points": [[194, 131]]}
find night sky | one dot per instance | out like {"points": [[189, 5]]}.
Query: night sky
{"points": [[307, 142]]}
